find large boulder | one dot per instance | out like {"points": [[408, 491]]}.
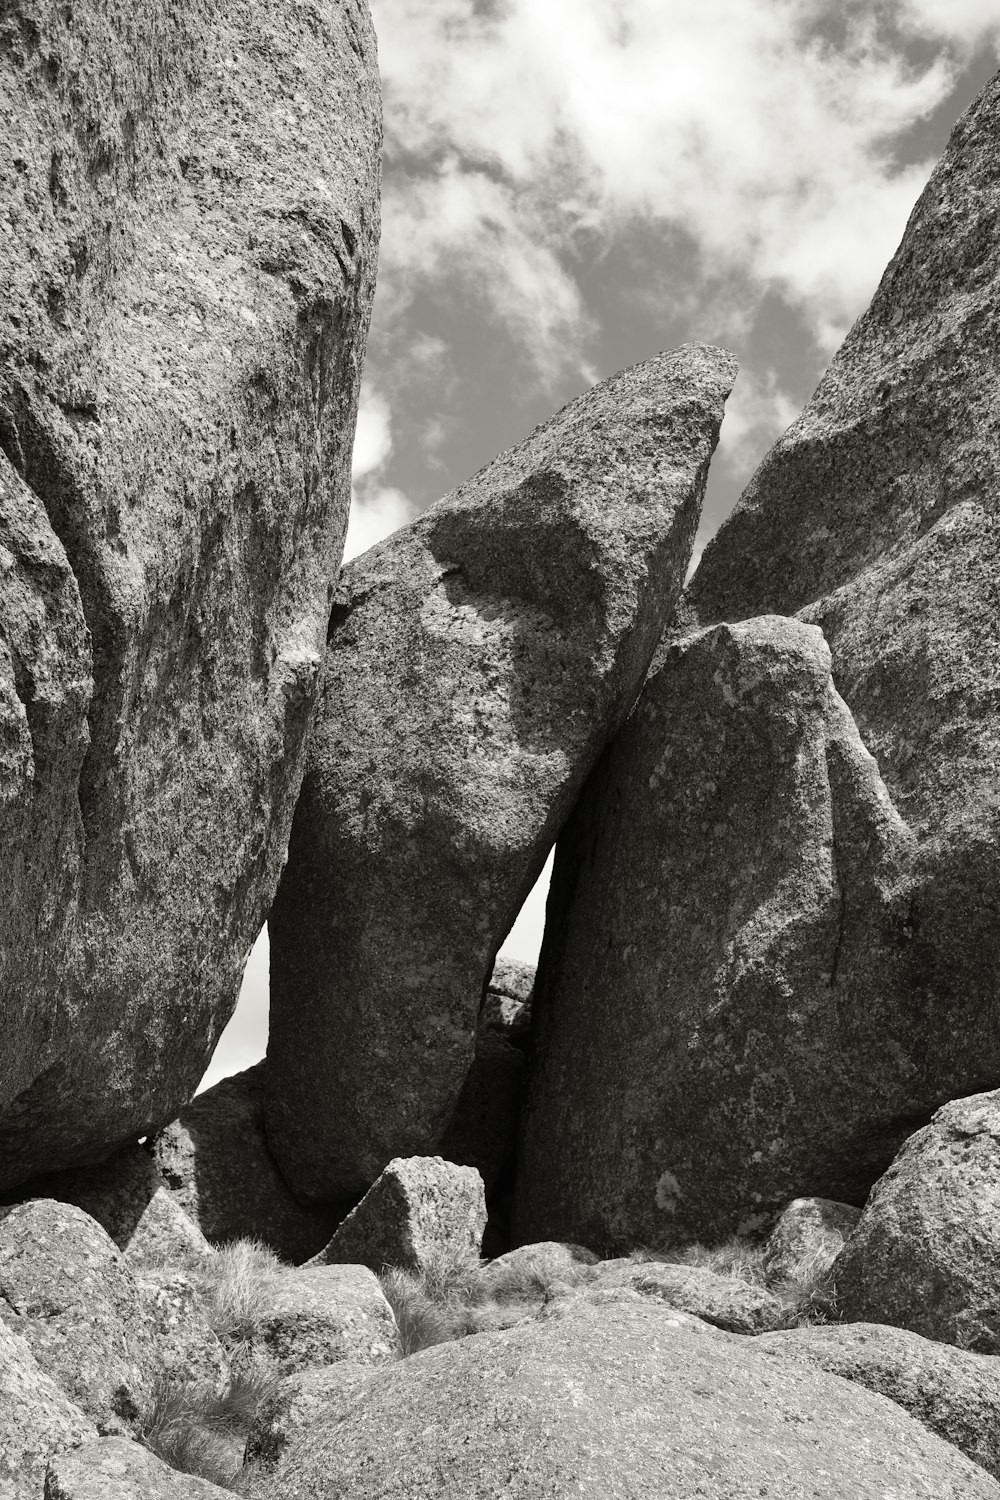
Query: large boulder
{"points": [[719, 1025], [115, 1469], [320, 1315], [620, 1397], [218, 1167], [926, 1251], [477, 662], [189, 198], [37, 1419]]}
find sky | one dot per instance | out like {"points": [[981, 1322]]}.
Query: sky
{"points": [[571, 186]]}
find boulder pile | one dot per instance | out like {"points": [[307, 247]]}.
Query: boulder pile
{"points": [[708, 1204]]}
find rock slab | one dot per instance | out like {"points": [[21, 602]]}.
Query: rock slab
{"points": [[116, 1469], [189, 201], [477, 662]]}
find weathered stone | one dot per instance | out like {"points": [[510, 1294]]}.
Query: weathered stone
{"points": [[615, 1398], [507, 1006], [420, 1209], [719, 1026], [808, 1237], [320, 1315], [952, 1392], [116, 1469], [877, 516], [482, 1131], [182, 1341], [533, 1270], [217, 1164], [295, 1407], [724, 1301], [477, 662], [926, 1252], [65, 1286], [36, 1420], [189, 200], [129, 1199]]}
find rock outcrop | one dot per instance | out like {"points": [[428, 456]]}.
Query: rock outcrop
{"points": [[37, 1419], [477, 662], [621, 1398], [721, 996], [926, 1251], [189, 219]]}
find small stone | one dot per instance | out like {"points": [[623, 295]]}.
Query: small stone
{"points": [[808, 1237]]}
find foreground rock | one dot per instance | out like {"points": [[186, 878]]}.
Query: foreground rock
{"points": [[217, 1165], [926, 1252], [320, 1315], [808, 1237], [952, 1392], [719, 1026], [66, 1288], [477, 662], [115, 1469], [420, 1210], [185, 294], [37, 1419], [615, 1398]]}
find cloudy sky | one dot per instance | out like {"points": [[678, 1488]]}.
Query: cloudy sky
{"points": [[573, 185]]}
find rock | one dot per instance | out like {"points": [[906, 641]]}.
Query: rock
{"points": [[482, 1132], [65, 1286], [533, 1270], [36, 1420], [129, 1199], [477, 662], [190, 206], [116, 1469], [926, 1251], [216, 1162], [619, 1398], [179, 1332], [877, 517], [719, 1022], [420, 1210], [319, 1315], [724, 1301], [952, 1392], [808, 1237], [507, 1007], [296, 1405]]}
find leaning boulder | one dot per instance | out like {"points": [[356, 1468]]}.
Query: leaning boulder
{"points": [[37, 1419], [115, 1469], [189, 199], [926, 1252], [477, 662], [613, 1398], [421, 1210], [719, 1017], [808, 1237]]}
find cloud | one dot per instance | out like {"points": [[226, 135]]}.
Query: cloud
{"points": [[757, 413], [377, 508]]}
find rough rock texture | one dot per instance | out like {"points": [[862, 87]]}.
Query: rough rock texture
{"points": [[877, 516], [319, 1315], [724, 1301], [536, 1268], [482, 1131], [115, 1469], [926, 1252], [65, 1286], [421, 1208], [36, 1420], [808, 1237], [129, 1199], [477, 662], [178, 1329], [617, 1399], [952, 1392], [298, 1404], [507, 1007], [189, 212], [719, 1025], [216, 1162]]}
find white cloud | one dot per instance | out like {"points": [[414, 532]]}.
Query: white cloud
{"points": [[377, 508], [374, 517], [757, 413]]}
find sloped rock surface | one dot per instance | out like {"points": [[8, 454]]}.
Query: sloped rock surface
{"points": [[36, 1419], [617, 1398], [724, 1301], [219, 1168], [419, 1209], [116, 1469], [297, 1405], [66, 1288], [319, 1315], [721, 986], [952, 1392], [926, 1251], [477, 662], [808, 1237], [189, 201]]}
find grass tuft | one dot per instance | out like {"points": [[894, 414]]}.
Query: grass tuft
{"points": [[195, 1430], [235, 1289]]}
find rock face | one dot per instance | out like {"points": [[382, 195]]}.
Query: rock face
{"points": [[615, 1399], [926, 1252], [420, 1209], [877, 517], [724, 1301], [319, 1315], [114, 1467], [808, 1237], [952, 1392], [477, 662], [217, 1165], [190, 215], [719, 1021], [36, 1420]]}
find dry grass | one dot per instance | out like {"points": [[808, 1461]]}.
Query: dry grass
{"points": [[235, 1288], [807, 1298], [197, 1431]]}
